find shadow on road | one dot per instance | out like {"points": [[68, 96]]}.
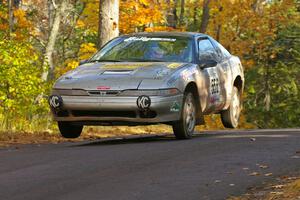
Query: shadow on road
{"points": [[138, 139]]}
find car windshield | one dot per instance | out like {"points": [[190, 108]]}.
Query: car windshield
{"points": [[146, 49]]}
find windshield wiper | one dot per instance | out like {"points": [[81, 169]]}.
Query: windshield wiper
{"points": [[106, 60]]}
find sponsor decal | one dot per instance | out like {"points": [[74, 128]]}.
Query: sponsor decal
{"points": [[175, 107], [174, 65], [146, 39], [143, 102], [103, 88], [125, 66], [55, 101]]}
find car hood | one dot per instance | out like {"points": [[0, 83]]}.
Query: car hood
{"points": [[115, 76]]}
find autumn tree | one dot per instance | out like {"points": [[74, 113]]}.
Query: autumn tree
{"points": [[142, 15], [20, 73], [108, 20], [181, 17], [205, 16], [48, 64], [273, 92], [171, 13]]}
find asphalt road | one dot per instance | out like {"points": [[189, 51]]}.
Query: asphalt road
{"points": [[212, 165]]}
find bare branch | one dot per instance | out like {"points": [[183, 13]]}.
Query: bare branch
{"points": [[54, 4]]}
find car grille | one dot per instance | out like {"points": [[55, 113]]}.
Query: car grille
{"points": [[68, 92], [79, 92], [87, 113], [103, 93]]}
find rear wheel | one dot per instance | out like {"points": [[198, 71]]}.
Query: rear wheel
{"points": [[184, 128], [230, 117], [68, 130]]}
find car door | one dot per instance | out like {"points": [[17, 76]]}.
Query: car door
{"points": [[212, 75], [226, 79]]}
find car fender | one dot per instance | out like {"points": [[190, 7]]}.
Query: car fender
{"points": [[237, 72], [191, 73]]}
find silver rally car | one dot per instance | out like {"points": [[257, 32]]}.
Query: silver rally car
{"points": [[148, 78]]}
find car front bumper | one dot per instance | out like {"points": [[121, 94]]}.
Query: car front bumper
{"points": [[101, 110]]}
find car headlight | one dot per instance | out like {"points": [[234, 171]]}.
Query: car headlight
{"points": [[159, 92]]}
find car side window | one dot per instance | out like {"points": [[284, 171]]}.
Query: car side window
{"points": [[206, 50], [225, 54]]}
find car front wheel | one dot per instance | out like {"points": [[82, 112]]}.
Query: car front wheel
{"points": [[69, 130], [230, 117], [184, 128]]}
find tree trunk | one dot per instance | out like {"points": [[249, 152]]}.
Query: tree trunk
{"points": [[267, 99], [51, 12], [181, 18], [10, 17], [195, 15], [205, 16], [108, 21], [48, 60], [218, 32], [170, 16], [175, 13]]}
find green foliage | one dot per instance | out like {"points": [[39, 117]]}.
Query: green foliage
{"points": [[276, 82], [20, 84]]}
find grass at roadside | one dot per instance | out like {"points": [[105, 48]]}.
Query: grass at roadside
{"points": [[285, 188], [9, 138], [52, 135]]}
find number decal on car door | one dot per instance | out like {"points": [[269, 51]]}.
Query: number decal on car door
{"points": [[215, 87], [215, 96]]}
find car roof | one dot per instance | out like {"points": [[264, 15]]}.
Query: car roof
{"points": [[164, 34]]}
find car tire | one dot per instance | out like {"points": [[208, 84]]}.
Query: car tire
{"points": [[184, 128], [68, 130], [230, 117]]}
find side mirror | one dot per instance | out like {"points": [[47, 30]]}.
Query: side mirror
{"points": [[83, 62], [207, 64]]}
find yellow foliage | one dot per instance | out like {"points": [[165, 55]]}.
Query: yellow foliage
{"points": [[20, 17], [86, 50], [3, 18], [89, 17], [140, 15], [244, 25], [21, 24], [3, 27], [160, 28], [72, 64], [80, 24], [67, 66]]}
